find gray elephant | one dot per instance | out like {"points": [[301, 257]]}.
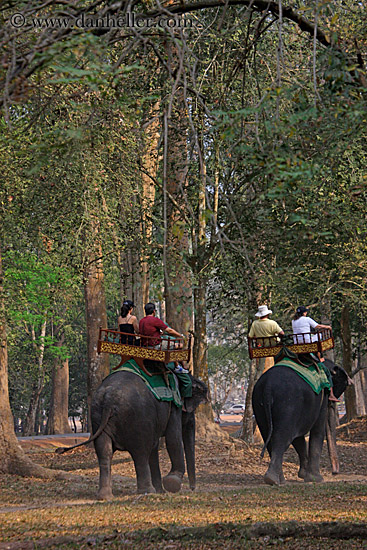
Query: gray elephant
{"points": [[127, 417], [286, 409]]}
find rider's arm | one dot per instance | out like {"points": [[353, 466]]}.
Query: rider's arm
{"points": [[317, 327], [135, 324], [278, 330], [173, 332]]}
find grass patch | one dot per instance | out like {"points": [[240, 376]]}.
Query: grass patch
{"points": [[232, 507]]}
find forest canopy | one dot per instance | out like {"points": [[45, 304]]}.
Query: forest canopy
{"points": [[209, 165]]}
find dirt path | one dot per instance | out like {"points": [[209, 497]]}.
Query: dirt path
{"points": [[231, 508]]}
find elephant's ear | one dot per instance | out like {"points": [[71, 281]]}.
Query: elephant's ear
{"points": [[340, 380], [199, 395]]}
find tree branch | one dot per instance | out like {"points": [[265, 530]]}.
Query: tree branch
{"points": [[259, 5]]}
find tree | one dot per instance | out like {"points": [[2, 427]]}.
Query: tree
{"points": [[12, 458]]}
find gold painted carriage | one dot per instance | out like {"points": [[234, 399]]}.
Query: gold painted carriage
{"points": [[136, 346], [320, 341]]}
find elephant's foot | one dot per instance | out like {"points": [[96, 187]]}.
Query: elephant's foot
{"points": [[313, 478], [272, 479], [105, 494], [172, 483], [302, 473], [146, 490], [282, 479]]}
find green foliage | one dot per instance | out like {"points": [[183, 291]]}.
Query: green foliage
{"points": [[281, 123]]}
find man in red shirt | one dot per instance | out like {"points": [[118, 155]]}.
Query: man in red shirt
{"points": [[153, 326]]}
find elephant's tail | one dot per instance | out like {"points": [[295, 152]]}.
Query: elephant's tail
{"points": [[267, 408], [105, 418]]}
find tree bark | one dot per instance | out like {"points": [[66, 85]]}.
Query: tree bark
{"points": [[350, 396], [177, 277], [30, 421], [131, 277], [12, 457], [135, 265], [200, 351], [150, 160], [58, 418], [331, 437], [96, 317], [257, 367]]}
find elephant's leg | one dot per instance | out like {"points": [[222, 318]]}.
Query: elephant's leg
{"points": [[104, 451], [301, 447], [142, 469], [317, 435], [155, 470], [172, 481], [274, 474]]}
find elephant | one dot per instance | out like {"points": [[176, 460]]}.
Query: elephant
{"points": [[127, 417], [286, 409]]}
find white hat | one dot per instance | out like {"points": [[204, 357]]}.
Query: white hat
{"points": [[262, 311]]}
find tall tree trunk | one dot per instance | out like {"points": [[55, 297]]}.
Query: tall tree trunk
{"points": [[331, 437], [363, 374], [58, 418], [30, 421], [257, 367], [201, 280], [132, 280], [96, 317], [150, 160], [326, 320], [350, 396], [135, 265], [12, 457], [177, 278]]}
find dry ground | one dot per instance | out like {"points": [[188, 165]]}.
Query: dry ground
{"points": [[231, 508]]}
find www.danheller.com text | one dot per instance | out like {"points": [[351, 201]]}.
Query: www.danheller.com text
{"points": [[86, 21]]}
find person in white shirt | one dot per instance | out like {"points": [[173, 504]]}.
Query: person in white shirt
{"points": [[302, 324]]}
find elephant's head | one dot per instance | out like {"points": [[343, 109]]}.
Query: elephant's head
{"points": [[340, 377], [199, 395]]}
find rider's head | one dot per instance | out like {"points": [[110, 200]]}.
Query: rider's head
{"points": [[300, 312], [149, 308], [263, 312], [126, 308]]}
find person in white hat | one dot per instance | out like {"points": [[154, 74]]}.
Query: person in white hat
{"points": [[264, 327]]}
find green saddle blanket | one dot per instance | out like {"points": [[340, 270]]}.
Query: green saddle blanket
{"points": [[316, 378], [156, 383]]}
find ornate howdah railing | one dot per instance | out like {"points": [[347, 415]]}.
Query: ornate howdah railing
{"points": [[138, 347], [298, 343]]}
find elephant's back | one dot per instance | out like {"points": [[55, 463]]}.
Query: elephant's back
{"points": [[122, 387], [282, 388], [127, 395], [280, 393], [280, 379]]}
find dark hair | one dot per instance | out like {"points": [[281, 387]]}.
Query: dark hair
{"points": [[149, 308], [299, 312], [126, 307]]}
